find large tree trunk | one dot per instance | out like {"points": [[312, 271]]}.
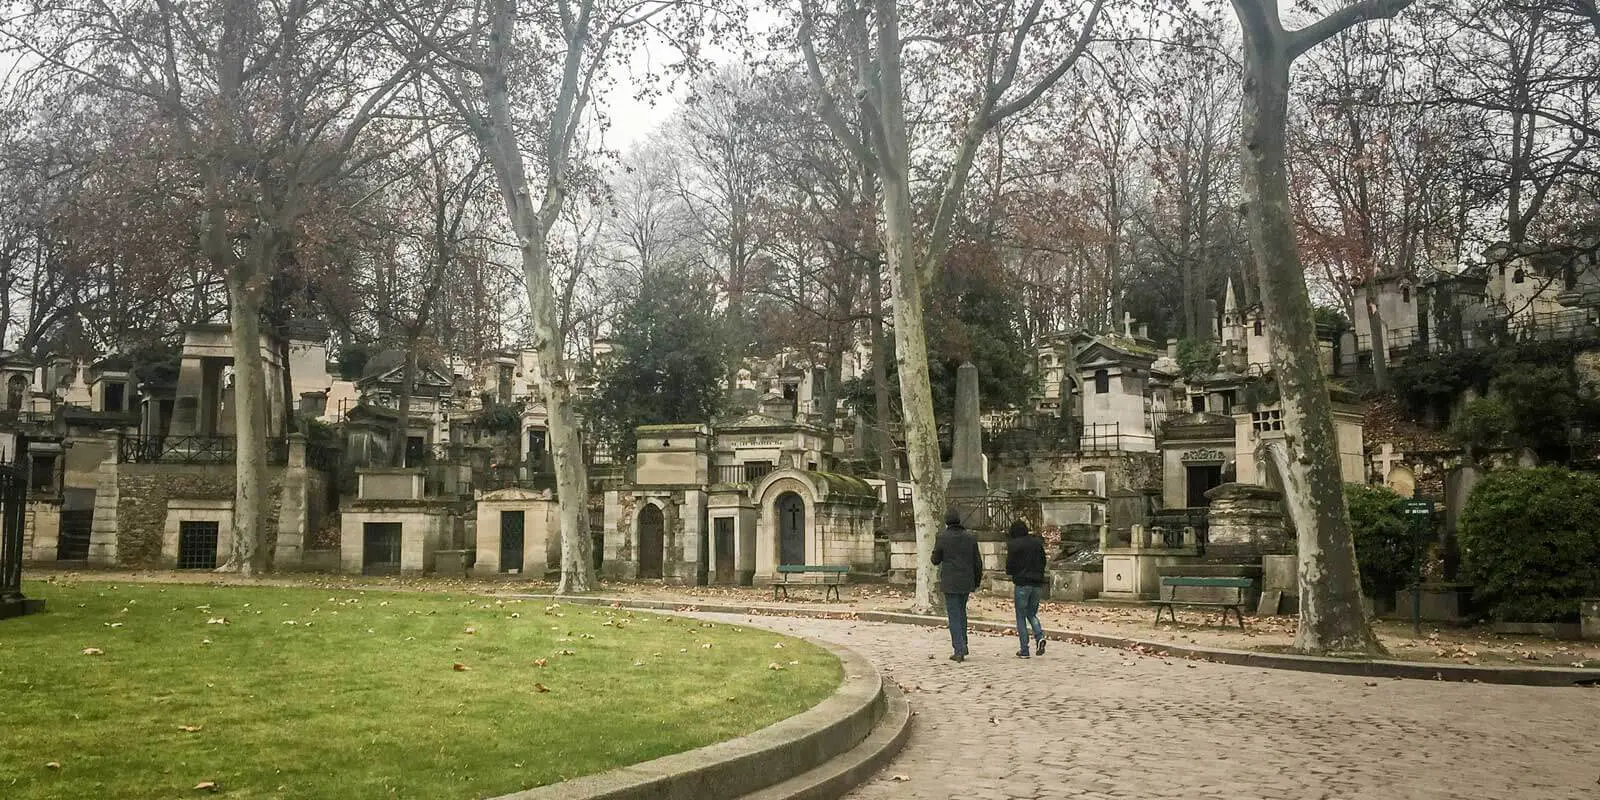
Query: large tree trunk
{"points": [[916, 395], [532, 225], [1380, 345], [888, 464], [1331, 617], [245, 289]]}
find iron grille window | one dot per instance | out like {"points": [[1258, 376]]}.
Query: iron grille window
{"points": [[1265, 421], [197, 545]]}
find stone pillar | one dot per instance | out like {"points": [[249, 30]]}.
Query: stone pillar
{"points": [[1589, 618], [103, 534], [293, 507], [1246, 523], [967, 488]]}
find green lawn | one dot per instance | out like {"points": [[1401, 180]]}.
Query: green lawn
{"points": [[314, 693]]}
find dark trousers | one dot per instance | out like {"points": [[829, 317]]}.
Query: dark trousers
{"points": [[955, 611], [1027, 601]]}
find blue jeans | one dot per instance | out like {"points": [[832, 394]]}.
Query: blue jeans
{"points": [[955, 611], [1027, 601]]}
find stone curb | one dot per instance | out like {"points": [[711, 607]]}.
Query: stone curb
{"points": [[837, 777], [1521, 676], [791, 747]]}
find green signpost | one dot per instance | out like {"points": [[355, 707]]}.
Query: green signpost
{"points": [[1420, 512]]}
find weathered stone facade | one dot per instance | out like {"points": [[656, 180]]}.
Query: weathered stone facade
{"points": [[143, 493]]}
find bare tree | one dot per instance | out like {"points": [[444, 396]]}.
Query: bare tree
{"points": [[499, 64], [1007, 77], [1331, 615]]}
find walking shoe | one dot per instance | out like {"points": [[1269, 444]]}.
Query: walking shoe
{"points": [[1023, 654], [1038, 645], [957, 657]]}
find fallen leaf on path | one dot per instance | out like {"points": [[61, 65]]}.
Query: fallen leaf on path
{"points": [[900, 778]]}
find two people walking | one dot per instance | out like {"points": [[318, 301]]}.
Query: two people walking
{"points": [[960, 564]]}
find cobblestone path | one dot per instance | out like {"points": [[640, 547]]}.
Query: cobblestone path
{"points": [[1094, 723]]}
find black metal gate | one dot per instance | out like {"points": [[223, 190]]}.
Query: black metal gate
{"points": [[511, 541], [13, 516], [381, 548], [197, 545], [77, 525]]}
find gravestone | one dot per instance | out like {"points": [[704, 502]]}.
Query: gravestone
{"points": [[1527, 459], [1402, 480], [1125, 509], [1458, 486]]}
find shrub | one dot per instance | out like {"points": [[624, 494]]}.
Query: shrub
{"points": [[1389, 547], [1197, 357], [1530, 542], [1482, 423]]}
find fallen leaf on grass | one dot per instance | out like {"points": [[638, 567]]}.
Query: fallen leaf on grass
{"points": [[57, 764], [206, 786], [540, 688], [93, 651], [460, 667], [565, 653], [539, 662], [471, 630], [774, 666], [190, 728]]}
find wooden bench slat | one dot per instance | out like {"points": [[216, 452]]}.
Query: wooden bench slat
{"points": [[1228, 583]]}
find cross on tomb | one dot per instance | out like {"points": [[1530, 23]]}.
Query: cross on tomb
{"points": [[1386, 459], [1127, 325]]}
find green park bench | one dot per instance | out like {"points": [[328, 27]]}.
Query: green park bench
{"points": [[1171, 585], [832, 578]]}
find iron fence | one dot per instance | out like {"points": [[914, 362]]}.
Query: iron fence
{"points": [[210, 450], [13, 505], [1101, 437], [1530, 326]]}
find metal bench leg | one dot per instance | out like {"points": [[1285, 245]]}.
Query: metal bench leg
{"points": [[832, 587]]}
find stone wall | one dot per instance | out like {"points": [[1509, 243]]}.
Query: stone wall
{"points": [[1011, 471], [142, 494]]}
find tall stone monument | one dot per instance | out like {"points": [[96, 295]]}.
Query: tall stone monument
{"points": [[968, 489]]}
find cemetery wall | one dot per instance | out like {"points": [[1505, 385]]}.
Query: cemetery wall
{"points": [[144, 489], [1046, 471]]}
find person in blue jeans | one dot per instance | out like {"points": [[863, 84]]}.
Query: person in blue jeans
{"points": [[1025, 565], [960, 565]]}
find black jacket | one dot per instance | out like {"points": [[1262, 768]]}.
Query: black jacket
{"points": [[955, 552], [1025, 557]]}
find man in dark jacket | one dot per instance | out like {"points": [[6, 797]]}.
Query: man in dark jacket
{"points": [[955, 552], [1025, 565]]}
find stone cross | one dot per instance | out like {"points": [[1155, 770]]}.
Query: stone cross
{"points": [[1386, 459], [1127, 325]]}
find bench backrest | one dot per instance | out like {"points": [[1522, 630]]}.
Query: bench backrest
{"points": [[1227, 583], [799, 568]]}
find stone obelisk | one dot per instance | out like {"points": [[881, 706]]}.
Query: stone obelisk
{"points": [[968, 490]]}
